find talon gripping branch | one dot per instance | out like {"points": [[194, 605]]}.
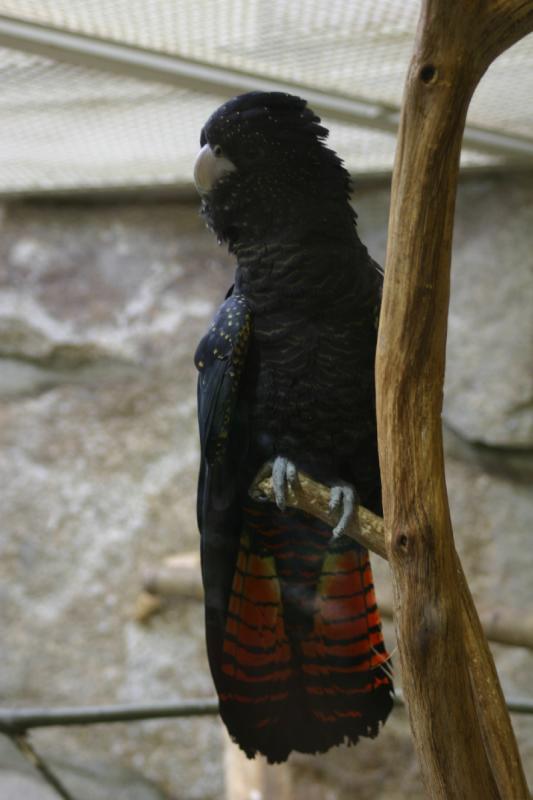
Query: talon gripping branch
{"points": [[286, 375]]}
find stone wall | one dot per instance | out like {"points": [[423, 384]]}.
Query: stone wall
{"points": [[100, 310]]}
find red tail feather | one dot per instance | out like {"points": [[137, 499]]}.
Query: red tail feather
{"points": [[303, 654]]}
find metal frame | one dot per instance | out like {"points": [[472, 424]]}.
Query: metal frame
{"points": [[150, 65]]}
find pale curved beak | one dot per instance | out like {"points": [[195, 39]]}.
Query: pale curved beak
{"points": [[209, 168]]}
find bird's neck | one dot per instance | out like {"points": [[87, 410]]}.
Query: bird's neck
{"points": [[244, 212], [294, 221]]}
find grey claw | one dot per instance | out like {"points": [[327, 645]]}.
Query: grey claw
{"points": [[335, 497], [344, 496], [283, 472], [279, 471], [292, 474]]}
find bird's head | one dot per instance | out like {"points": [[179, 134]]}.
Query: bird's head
{"points": [[264, 163]]}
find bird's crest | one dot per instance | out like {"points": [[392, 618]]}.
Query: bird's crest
{"points": [[277, 114]]}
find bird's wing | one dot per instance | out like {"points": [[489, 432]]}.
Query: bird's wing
{"points": [[220, 360]]}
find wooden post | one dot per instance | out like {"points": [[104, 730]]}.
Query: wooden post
{"points": [[255, 779], [461, 728]]}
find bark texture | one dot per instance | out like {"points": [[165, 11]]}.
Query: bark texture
{"points": [[460, 725]]}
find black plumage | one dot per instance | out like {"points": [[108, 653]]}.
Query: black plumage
{"points": [[287, 370]]}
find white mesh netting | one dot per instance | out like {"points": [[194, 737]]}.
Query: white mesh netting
{"points": [[69, 127]]}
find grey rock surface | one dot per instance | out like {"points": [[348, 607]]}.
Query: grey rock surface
{"points": [[98, 456], [83, 778], [488, 393], [14, 786], [100, 311], [489, 375]]}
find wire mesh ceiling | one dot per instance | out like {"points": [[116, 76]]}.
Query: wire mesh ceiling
{"points": [[74, 126]]}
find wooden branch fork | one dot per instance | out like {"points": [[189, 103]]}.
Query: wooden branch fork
{"points": [[461, 728]]}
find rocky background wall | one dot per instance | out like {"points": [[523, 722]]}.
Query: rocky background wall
{"points": [[100, 309]]}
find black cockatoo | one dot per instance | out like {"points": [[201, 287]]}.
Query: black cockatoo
{"points": [[286, 378]]}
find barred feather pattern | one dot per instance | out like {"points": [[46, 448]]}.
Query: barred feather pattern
{"points": [[304, 665]]}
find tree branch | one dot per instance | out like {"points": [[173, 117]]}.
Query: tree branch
{"points": [[16, 721], [461, 728], [29, 752]]}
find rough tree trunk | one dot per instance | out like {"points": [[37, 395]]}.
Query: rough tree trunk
{"points": [[461, 727]]}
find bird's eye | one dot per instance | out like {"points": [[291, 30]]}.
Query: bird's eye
{"points": [[217, 150]]}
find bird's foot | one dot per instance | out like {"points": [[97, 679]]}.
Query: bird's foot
{"points": [[284, 473], [343, 496]]}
